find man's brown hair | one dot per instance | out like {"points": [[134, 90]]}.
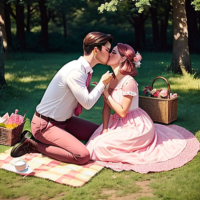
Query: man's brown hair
{"points": [[95, 39]]}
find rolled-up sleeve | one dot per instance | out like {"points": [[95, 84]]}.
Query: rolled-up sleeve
{"points": [[76, 81]]}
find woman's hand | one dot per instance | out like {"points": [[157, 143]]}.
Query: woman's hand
{"points": [[104, 131], [105, 94]]}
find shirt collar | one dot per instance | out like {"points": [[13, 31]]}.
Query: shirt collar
{"points": [[86, 64]]}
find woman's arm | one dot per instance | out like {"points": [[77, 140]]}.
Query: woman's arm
{"points": [[121, 110], [106, 116]]}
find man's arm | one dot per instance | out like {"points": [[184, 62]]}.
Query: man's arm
{"points": [[76, 81]]}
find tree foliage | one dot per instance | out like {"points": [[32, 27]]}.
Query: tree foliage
{"points": [[196, 4], [113, 5]]}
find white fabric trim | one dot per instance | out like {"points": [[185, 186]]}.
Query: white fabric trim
{"points": [[131, 93]]}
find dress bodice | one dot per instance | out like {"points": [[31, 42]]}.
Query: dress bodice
{"points": [[126, 86]]}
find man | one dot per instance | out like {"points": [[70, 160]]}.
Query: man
{"points": [[54, 126]]}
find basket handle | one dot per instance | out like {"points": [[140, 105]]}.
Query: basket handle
{"points": [[168, 86], [25, 114]]}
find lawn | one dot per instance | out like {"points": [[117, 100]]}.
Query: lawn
{"points": [[28, 75]]}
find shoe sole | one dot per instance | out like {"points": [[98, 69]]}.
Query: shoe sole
{"points": [[16, 147]]}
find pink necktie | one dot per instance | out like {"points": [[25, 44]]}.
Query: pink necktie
{"points": [[78, 109]]}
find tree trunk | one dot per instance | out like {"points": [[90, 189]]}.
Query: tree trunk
{"points": [[133, 22], [199, 23], [142, 29], [64, 25], [28, 19], [163, 28], [8, 23], [20, 25], [137, 44], [193, 39], [2, 25], [44, 24], [181, 56], [154, 19], [2, 69], [140, 36]]}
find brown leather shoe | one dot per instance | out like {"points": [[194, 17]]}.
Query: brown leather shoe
{"points": [[25, 146]]}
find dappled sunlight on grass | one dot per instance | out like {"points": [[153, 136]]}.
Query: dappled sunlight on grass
{"points": [[186, 82], [31, 79], [9, 76], [41, 86], [12, 77]]}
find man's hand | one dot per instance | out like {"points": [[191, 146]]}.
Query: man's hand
{"points": [[106, 78]]}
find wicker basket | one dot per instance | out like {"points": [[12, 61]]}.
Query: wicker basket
{"points": [[10, 137], [160, 110]]}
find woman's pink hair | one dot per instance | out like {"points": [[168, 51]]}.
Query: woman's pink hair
{"points": [[127, 66]]}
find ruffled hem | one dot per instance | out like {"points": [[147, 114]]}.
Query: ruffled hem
{"points": [[190, 151]]}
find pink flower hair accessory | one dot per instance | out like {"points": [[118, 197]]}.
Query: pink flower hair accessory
{"points": [[137, 60]]}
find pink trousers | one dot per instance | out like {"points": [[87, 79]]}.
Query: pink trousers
{"points": [[61, 140]]}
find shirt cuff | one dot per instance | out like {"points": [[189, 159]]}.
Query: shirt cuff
{"points": [[100, 87]]}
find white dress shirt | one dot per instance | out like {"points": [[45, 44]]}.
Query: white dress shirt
{"points": [[67, 88]]}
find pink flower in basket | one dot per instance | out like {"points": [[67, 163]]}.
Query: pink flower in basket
{"points": [[147, 88], [156, 94], [163, 93]]}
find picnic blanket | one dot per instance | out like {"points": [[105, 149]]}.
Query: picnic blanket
{"points": [[44, 167]]}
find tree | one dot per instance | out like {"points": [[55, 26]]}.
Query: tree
{"points": [[154, 18], [8, 22], [20, 24], [65, 10], [19, 17], [28, 18], [2, 69], [164, 24], [3, 43], [2, 24], [44, 23], [181, 55], [192, 27]]}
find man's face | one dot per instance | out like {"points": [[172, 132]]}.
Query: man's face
{"points": [[103, 55]]}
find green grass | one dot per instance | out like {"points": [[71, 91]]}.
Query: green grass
{"points": [[28, 75]]}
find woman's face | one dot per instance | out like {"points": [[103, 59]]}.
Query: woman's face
{"points": [[115, 58]]}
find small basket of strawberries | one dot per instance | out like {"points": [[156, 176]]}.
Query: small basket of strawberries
{"points": [[11, 128]]}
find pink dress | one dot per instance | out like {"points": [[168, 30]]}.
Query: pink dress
{"points": [[136, 143]]}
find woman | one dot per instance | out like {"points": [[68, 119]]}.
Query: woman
{"points": [[129, 136]]}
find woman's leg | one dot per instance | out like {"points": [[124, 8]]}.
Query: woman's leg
{"points": [[80, 128], [57, 143]]}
